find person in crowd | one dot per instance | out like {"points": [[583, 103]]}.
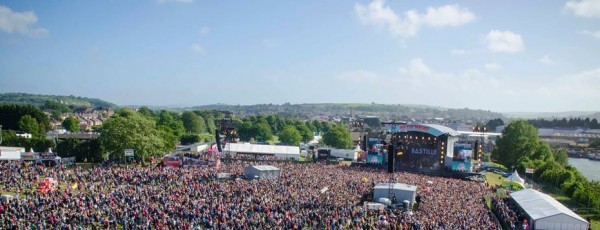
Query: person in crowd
{"points": [[135, 197]]}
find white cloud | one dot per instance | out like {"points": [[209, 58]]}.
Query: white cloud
{"points": [[585, 8], [458, 51], [409, 23], [504, 41], [595, 34], [205, 30], [180, 1], [359, 76], [197, 48], [492, 66], [546, 60], [448, 15], [20, 23]]}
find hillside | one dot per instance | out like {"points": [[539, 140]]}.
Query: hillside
{"points": [[395, 112], [39, 100]]}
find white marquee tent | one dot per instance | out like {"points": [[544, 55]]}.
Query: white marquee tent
{"points": [[547, 213], [516, 178], [280, 151]]}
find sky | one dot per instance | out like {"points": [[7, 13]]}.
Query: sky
{"points": [[505, 56]]}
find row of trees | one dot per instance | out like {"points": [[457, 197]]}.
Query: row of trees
{"points": [[572, 123], [520, 148]]}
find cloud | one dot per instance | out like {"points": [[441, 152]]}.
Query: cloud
{"points": [[359, 76], [585, 8], [197, 48], [409, 23], [205, 30], [504, 41], [546, 60], [595, 34], [20, 23], [492, 66], [179, 1]]}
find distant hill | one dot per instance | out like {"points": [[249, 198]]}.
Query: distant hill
{"points": [[384, 111], [551, 115], [39, 100]]}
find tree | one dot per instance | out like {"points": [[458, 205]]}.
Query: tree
{"points": [[263, 131], [246, 131], [189, 139], [307, 135], [492, 124], [338, 137], [561, 157], [147, 112], [595, 144], [71, 124], [29, 124], [193, 123], [130, 130], [210, 125], [11, 114], [172, 121], [519, 140], [290, 136]]}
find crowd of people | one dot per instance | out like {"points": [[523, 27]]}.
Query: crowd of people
{"points": [[508, 212], [135, 197]]}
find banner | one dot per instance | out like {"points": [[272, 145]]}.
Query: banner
{"points": [[528, 170]]}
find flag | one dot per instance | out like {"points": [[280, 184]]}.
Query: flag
{"points": [[74, 186]]}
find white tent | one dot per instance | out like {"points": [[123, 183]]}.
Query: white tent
{"points": [[547, 213], [280, 151], [516, 178]]}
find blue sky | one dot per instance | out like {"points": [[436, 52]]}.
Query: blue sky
{"points": [[496, 55]]}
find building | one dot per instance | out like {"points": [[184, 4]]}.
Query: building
{"points": [[544, 212], [262, 172]]}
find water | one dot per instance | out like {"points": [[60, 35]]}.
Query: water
{"points": [[589, 168]]}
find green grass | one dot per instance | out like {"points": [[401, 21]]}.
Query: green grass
{"points": [[595, 225]]}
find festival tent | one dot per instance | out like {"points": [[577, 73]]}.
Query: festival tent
{"points": [[516, 178], [279, 151], [547, 213], [262, 172]]}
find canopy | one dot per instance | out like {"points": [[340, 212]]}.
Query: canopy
{"points": [[516, 178], [546, 212]]}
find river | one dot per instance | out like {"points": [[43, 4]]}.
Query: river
{"points": [[589, 168]]}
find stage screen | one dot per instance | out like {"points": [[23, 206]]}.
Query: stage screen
{"points": [[463, 152], [375, 158], [419, 156]]}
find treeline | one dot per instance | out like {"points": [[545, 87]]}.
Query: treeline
{"points": [[25, 119], [520, 147], [40, 100], [290, 131], [571, 123]]}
